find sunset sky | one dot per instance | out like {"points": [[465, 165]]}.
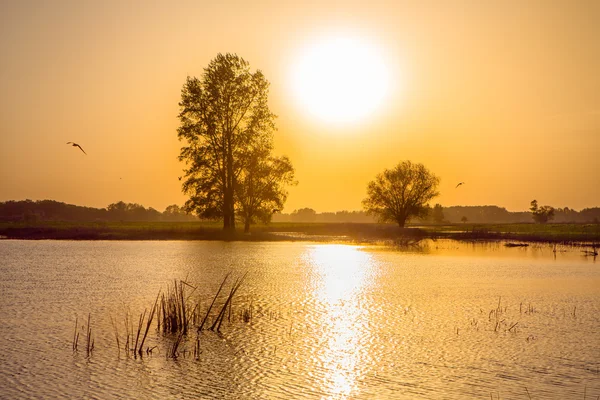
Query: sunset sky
{"points": [[503, 95]]}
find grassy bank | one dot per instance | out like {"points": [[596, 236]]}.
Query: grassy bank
{"points": [[526, 232], [116, 231], [563, 233]]}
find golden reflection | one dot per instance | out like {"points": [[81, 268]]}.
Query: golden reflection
{"points": [[344, 274]]}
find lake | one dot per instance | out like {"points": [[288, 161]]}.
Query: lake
{"points": [[445, 320]]}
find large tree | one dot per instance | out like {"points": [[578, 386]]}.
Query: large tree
{"points": [[224, 117], [401, 193], [260, 189]]}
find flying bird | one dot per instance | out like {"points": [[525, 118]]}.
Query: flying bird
{"points": [[460, 183], [76, 145]]}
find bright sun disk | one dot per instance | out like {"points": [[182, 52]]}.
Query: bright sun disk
{"points": [[341, 80]]}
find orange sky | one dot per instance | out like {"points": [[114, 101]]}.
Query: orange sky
{"points": [[503, 96]]}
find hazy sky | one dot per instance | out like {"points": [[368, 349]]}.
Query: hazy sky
{"points": [[503, 95]]}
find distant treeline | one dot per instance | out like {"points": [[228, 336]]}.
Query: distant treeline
{"points": [[310, 215], [499, 215], [454, 214], [50, 210]]}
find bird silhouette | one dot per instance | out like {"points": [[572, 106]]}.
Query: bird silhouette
{"points": [[460, 183], [76, 145], [179, 177]]}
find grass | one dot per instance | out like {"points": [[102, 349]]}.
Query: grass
{"points": [[525, 232], [89, 348], [174, 315], [348, 232]]}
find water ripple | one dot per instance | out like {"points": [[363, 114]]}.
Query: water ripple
{"points": [[329, 321]]}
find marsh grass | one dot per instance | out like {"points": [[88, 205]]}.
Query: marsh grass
{"points": [[89, 344], [89, 338], [174, 314], [219, 320], [573, 234], [499, 319], [148, 324], [212, 303], [75, 336]]}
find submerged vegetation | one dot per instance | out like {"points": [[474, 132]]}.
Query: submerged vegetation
{"points": [[176, 316]]}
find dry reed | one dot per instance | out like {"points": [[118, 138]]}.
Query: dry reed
{"points": [[217, 323], [75, 337], [148, 323], [212, 303]]}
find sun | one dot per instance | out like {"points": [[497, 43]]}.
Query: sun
{"points": [[340, 79]]}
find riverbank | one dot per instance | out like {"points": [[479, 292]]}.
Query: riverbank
{"points": [[551, 233]]}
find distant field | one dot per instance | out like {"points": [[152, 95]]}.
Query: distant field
{"points": [[534, 232], [202, 230], [530, 232], [110, 230]]}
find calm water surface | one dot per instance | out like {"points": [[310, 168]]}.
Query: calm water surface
{"points": [[329, 321]]}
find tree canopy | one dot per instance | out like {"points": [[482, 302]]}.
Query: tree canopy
{"points": [[50, 210], [261, 188], [400, 193], [437, 214], [542, 214]]}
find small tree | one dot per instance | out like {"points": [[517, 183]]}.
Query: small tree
{"points": [[464, 219], [438, 214], [261, 188], [400, 193], [117, 211], [176, 213], [541, 215], [304, 215]]}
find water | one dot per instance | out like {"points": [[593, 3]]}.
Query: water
{"points": [[329, 321]]}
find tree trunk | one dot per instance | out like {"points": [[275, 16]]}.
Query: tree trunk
{"points": [[228, 217], [230, 204], [401, 221], [226, 221], [225, 213], [232, 210], [225, 183], [247, 226]]}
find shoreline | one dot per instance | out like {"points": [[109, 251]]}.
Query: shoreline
{"points": [[570, 234]]}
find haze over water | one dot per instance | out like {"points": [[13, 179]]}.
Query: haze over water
{"points": [[329, 321]]}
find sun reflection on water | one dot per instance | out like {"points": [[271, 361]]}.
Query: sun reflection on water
{"points": [[343, 276]]}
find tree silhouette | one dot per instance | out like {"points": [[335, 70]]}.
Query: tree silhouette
{"points": [[542, 214], [224, 117], [400, 193], [261, 187], [438, 214], [304, 215]]}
